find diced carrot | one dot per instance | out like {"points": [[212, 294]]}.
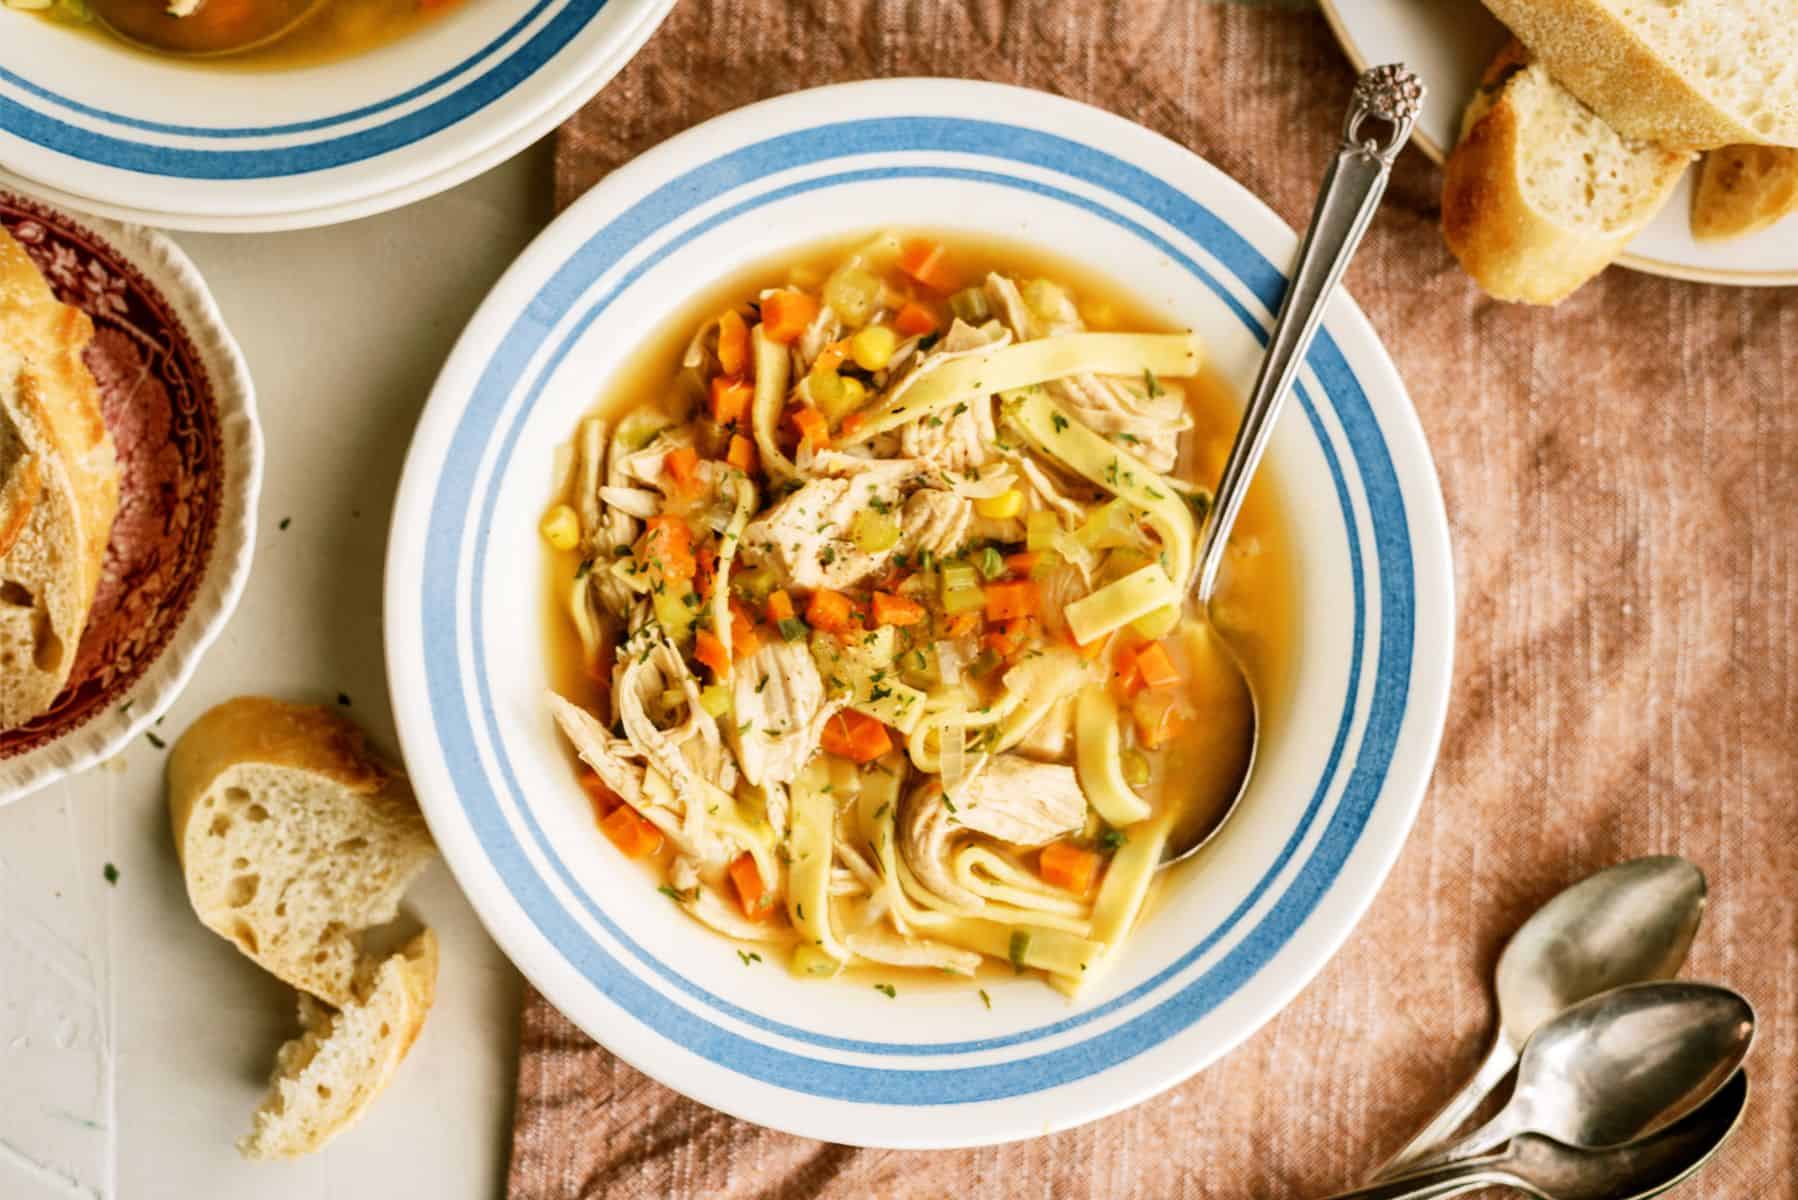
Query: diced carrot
{"points": [[896, 610], [710, 652], [1006, 638], [730, 399], [831, 357], [786, 313], [814, 430], [1155, 667], [741, 454], [1010, 600], [682, 462], [914, 320], [634, 836], [1126, 676], [927, 262], [1065, 865], [780, 607], [852, 424], [1021, 564], [830, 611], [962, 624], [752, 894], [745, 638], [667, 546], [733, 342], [1157, 716], [603, 797], [856, 737]]}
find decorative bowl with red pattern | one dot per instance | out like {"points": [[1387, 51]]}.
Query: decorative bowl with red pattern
{"points": [[176, 394]]}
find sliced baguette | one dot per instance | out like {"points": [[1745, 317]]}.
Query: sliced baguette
{"points": [[1743, 190], [1698, 73], [293, 836], [59, 487], [1540, 195], [325, 1079]]}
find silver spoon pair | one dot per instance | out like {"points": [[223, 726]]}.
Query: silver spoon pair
{"points": [[1624, 1087]]}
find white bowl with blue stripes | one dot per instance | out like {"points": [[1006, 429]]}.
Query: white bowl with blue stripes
{"points": [[98, 126], [1346, 756]]}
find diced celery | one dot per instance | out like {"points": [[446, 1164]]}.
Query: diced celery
{"points": [[1047, 562], [715, 699], [960, 576], [792, 629], [853, 293], [960, 600], [1050, 302], [837, 395], [675, 615], [757, 584], [1136, 768], [1111, 525], [991, 563], [1040, 531], [970, 304], [809, 962], [873, 532]]}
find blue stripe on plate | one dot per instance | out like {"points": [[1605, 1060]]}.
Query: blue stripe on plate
{"points": [[150, 159], [444, 633]]}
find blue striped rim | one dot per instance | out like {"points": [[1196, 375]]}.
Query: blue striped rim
{"points": [[149, 159], [445, 628]]}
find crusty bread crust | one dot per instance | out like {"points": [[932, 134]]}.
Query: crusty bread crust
{"points": [[326, 1079], [293, 837], [1743, 190], [1514, 251], [59, 487], [1605, 63]]}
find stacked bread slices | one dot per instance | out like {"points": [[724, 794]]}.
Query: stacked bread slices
{"points": [[1583, 126]]}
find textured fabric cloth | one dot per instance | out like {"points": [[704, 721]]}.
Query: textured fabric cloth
{"points": [[1622, 482]]}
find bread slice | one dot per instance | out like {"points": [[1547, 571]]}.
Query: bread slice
{"points": [[1540, 195], [1698, 73], [293, 836], [325, 1079], [1744, 189], [59, 487]]}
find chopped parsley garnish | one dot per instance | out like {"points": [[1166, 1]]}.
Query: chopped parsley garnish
{"points": [[887, 990], [1020, 946], [1152, 383], [748, 957], [1060, 422], [986, 1000], [792, 629], [585, 567], [1112, 840], [110, 873], [156, 741]]}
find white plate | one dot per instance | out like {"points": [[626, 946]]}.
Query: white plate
{"points": [[1344, 762], [1449, 42], [179, 403], [152, 141]]}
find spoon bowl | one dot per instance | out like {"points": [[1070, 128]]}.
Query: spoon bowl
{"points": [[1390, 97], [1544, 1168], [1630, 923], [1621, 1066]]}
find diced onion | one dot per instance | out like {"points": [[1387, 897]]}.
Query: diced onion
{"points": [[949, 662]]}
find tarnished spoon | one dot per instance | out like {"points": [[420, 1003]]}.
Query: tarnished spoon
{"points": [[1626, 924], [1619, 1067], [1387, 100], [1547, 1170]]}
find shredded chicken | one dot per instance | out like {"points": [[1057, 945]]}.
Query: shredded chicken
{"points": [[926, 827], [807, 535], [687, 752], [1051, 737], [777, 702], [1144, 415], [614, 760], [884, 946], [939, 522], [1023, 802]]}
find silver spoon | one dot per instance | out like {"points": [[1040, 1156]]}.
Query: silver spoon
{"points": [[1626, 924], [1389, 96], [1548, 1170], [1619, 1067]]}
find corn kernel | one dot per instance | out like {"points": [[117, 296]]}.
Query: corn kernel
{"points": [[1007, 504], [561, 528], [873, 347]]}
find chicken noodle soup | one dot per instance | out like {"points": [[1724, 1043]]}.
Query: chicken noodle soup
{"points": [[876, 591], [251, 33]]}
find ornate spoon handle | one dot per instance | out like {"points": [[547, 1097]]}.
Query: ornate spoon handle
{"points": [[1388, 95]]}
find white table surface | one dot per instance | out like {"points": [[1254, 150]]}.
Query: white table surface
{"points": [[134, 1043]]}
